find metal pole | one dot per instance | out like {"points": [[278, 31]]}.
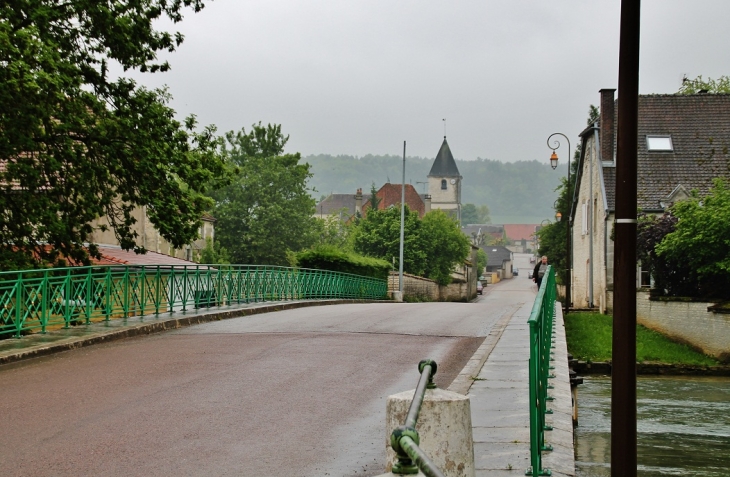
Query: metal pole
{"points": [[568, 233], [568, 250], [623, 375], [402, 221]]}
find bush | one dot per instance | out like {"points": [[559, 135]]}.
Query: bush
{"points": [[332, 258]]}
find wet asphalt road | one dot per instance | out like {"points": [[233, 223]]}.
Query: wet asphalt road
{"points": [[294, 393]]}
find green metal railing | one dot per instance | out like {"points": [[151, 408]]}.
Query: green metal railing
{"points": [[541, 334], [39, 300], [404, 439]]}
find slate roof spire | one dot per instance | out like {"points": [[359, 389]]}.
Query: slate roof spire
{"points": [[444, 165]]}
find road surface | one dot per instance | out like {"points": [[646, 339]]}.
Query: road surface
{"points": [[293, 393]]}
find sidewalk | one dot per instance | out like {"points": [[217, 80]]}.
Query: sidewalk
{"points": [[499, 403], [35, 345]]}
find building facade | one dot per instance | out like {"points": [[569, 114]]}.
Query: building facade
{"points": [[683, 144]]}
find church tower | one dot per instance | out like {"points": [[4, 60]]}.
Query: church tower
{"points": [[444, 183]]}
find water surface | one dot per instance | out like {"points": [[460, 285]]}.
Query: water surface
{"points": [[683, 426]]}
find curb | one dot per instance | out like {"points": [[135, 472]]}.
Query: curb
{"points": [[106, 335]]}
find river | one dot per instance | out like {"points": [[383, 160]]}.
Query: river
{"points": [[683, 426]]}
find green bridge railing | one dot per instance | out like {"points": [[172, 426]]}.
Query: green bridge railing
{"points": [[39, 300], [541, 334]]}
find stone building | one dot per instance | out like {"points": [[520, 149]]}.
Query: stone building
{"points": [[149, 237], [683, 144]]}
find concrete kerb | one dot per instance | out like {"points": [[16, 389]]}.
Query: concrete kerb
{"points": [[37, 345]]}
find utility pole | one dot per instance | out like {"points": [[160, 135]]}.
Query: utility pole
{"points": [[623, 372], [402, 221]]}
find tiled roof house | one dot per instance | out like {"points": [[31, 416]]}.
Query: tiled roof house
{"points": [[683, 144], [390, 196], [347, 204]]}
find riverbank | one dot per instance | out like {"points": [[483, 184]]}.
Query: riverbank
{"points": [[589, 338]]}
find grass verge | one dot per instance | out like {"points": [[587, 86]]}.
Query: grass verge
{"points": [[589, 338]]}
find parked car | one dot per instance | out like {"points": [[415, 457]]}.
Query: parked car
{"points": [[532, 259], [480, 288], [529, 274], [515, 271]]}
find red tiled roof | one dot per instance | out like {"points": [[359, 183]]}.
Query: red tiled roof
{"points": [[117, 256], [520, 231], [390, 195]]}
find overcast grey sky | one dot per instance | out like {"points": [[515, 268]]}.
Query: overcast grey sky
{"points": [[361, 76]]}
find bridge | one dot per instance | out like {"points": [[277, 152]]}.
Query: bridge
{"points": [[264, 384]]}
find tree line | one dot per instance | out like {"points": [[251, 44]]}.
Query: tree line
{"points": [[515, 189]]}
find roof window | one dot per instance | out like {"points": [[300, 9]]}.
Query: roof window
{"points": [[659, 143]]}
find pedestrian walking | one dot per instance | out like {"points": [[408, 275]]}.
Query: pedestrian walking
{"points": [[539, 271]]}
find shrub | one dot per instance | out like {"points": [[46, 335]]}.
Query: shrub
{"points": [[326, 257]]}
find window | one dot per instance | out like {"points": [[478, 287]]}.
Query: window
{"points": [[443, 184], [659, 143]]}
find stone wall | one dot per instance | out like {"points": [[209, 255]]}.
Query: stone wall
{"points": [[688, 322], [425, 289], [454, 291], [414, 286]]}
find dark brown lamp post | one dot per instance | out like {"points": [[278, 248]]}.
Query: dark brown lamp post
{"points": [[558, 216]]}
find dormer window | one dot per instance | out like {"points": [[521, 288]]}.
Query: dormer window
{"points": [[443, 184], [659, 143]]}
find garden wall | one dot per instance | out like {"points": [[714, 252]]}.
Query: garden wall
{"points": [[687, 321], [428, 290], [414, 286]]}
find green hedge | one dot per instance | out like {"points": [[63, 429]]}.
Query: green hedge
{"points": [[333, 258]]}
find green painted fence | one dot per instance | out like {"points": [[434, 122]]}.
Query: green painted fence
{"points": [[39, 300], [541, 334]]}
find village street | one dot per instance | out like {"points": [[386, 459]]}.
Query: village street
{"points": [[297, 392]]}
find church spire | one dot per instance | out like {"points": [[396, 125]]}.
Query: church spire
{"points": [[444, 165]]}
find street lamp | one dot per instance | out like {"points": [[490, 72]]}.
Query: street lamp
{"points": [[568, 251]]}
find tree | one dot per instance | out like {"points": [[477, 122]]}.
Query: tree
{"points": [[693, 86], [213, 253], [333, 230], [378, 235], [432, 246], [671, 277], [267, 209], [701, 239], [374, 199], [77, 145], [471, 214], [444, 244], [482, 259]]}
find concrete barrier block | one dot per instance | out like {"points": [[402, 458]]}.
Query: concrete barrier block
{"points": [[444, 428]]}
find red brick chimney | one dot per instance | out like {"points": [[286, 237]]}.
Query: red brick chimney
{"points": [[606, 124]]}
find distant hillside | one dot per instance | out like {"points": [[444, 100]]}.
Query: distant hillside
{"points": [[523, 191]]}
